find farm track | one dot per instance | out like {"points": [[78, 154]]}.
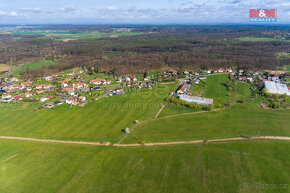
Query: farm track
{"points": [[148, 144], [57, 141], [204, 141]]}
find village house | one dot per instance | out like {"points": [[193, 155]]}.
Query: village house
{"points": [[127, 79], [99, 81], [43, 99], [79, 85], [14, 79], [38, 87], [183, 88], [6, 96], [82, 98], [40, 91], [28, 94], [49, 106], [170, 72], [48, 86], [133, 78], [18, 98], [64, 83], [48, 78], [147, 78], [28, 83], [119, 80], [29, 89], [57, 103]]}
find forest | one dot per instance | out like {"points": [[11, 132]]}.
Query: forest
{"points": [[177, 47]]}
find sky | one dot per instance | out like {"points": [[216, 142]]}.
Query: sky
{"points": [[136, 11]]}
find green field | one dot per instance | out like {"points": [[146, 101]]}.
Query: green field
{"points": [[67, 35], [216, 88], [33, 65], [239, 120], [255, 39], [101, 120], [288, 67], [29, 167]]}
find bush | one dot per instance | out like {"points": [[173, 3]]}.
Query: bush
{"points": [[142, 142], [207, 108]]}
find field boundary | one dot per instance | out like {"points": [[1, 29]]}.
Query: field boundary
{"points": [[148, 144]]}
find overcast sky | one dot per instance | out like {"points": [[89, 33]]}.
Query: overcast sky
{"points": [[136, 11]]}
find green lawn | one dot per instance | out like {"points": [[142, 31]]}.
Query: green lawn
{"points": [[239, 120], [101, 120], [28, 167], [288, 67], [254, 39], [33, 65]]}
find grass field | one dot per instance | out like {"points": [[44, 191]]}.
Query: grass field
{"points": [[255, 39], [288, 67], [66, 35], [28, 167], [216, 89], [240, 120], [33, 65], [101, 120], [5, 67]]}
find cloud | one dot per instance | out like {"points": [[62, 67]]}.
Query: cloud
{"points": [[111, 8], [8, 14], [34, 10], [234, 1], [67, 9]]}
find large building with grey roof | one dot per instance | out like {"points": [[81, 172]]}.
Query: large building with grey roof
{"points": [[276, 88], [195, 99]]}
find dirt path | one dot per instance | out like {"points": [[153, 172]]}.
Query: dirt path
{"points": [[201, 141], [57, 141], [166, 101], [14, 156], [146, 144]]}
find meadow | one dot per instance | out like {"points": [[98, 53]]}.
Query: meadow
{"points": [[239, 166], [258, 39], [239, 120], [101, 120], [33, 65]]}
